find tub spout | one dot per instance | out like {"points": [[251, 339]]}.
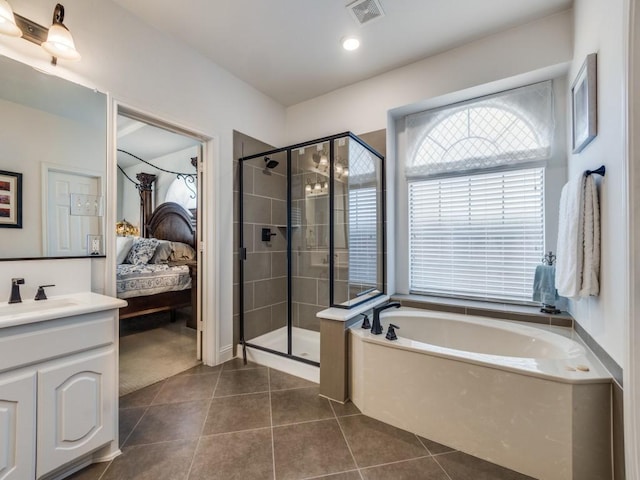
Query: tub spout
{"points": [[376, 327]]}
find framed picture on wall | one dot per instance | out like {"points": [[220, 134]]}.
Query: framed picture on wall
{"points": [[584, 105], [10, 199]]}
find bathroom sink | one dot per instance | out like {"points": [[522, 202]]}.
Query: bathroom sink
{"points": [[30, 311], [33, 306]]}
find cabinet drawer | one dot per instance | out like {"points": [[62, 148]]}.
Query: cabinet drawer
{"points": [[37, 342]]}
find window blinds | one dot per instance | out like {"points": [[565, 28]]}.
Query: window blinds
{"points": [[363, 236], [478, 236]]}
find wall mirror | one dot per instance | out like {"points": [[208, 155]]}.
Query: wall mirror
{"points": [[53, 133]]}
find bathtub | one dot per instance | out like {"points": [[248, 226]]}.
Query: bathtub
{"points": [[532, 399]]}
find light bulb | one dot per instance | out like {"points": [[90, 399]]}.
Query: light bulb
{"points": [[60, 44], [7, 20], [350, 43]]}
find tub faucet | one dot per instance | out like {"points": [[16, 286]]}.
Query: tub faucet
{"points": [[15, 290], [376, 327]]}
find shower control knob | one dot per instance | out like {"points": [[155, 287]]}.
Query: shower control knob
{"points": [[266, 234]]}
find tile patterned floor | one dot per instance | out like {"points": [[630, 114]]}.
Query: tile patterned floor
{"points": [[251, 422]]}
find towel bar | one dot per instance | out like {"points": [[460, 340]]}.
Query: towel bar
{"points": [[598, 171]]}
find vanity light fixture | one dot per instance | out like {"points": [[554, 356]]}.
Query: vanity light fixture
{"points": [[59, 42], [308, 187], [56, 41]]}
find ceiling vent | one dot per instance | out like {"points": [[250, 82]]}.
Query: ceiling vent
{"points": [[365, 11]]}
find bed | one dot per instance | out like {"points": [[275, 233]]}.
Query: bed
{"points": [[158, 273]]}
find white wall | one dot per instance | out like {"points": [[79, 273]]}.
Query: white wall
{"points": [[149, 71], [599, 27], [363, 107]]}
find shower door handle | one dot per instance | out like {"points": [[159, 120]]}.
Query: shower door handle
{"points": [[243, 253]]}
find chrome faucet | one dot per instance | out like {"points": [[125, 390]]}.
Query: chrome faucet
{"points": [[15, 290], [376, 327]]}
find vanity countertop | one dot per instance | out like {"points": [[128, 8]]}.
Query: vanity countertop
{"points": [[32, 311]]}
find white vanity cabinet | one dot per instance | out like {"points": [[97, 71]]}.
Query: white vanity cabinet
{"points": [[58, 395]]}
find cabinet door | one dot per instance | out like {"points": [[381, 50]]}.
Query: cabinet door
{"points": [[17, 426], [75, 408]]}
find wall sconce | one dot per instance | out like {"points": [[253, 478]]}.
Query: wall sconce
{"points": [[56, 41]]}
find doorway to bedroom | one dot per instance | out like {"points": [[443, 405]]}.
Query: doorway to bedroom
{"points": [[156, 241]]}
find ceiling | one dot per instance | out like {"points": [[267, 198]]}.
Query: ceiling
{"points": [[149, 142], [290, 49]]}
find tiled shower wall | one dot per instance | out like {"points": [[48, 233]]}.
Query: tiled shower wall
{"points": [[309, 246]]}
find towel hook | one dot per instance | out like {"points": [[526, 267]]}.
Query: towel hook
{"points": [[597, 171], [549, 258]]}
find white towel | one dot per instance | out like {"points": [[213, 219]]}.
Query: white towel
{"points": [[578, 249]]}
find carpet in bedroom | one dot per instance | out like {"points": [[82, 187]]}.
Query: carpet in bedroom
{"points": [[150, 355]]}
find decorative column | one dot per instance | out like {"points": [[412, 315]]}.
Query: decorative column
{"points": [[146, 199]]}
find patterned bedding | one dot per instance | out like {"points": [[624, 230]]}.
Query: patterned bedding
{"points": [[150, 279]]}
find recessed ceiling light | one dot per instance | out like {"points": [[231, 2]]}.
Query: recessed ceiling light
{"points": [[350, 43]]}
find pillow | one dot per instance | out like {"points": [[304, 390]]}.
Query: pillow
{"points": [[142, 250], [162, 253], [182, 251], [123, 245]]}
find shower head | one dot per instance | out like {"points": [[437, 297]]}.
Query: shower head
{"points": [[269, 163]]}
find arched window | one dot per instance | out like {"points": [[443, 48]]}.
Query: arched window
{"points": [[505, 129], [475, 176]]}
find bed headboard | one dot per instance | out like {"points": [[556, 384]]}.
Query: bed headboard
{"points": [[170, 221]]}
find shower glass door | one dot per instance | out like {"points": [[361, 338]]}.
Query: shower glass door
{"points": [[264, 273]]}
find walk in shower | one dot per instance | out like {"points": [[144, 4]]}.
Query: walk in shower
{"points": [[311, 236]]}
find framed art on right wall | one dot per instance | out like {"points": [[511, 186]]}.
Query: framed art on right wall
{"points": [[584, 105]]}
